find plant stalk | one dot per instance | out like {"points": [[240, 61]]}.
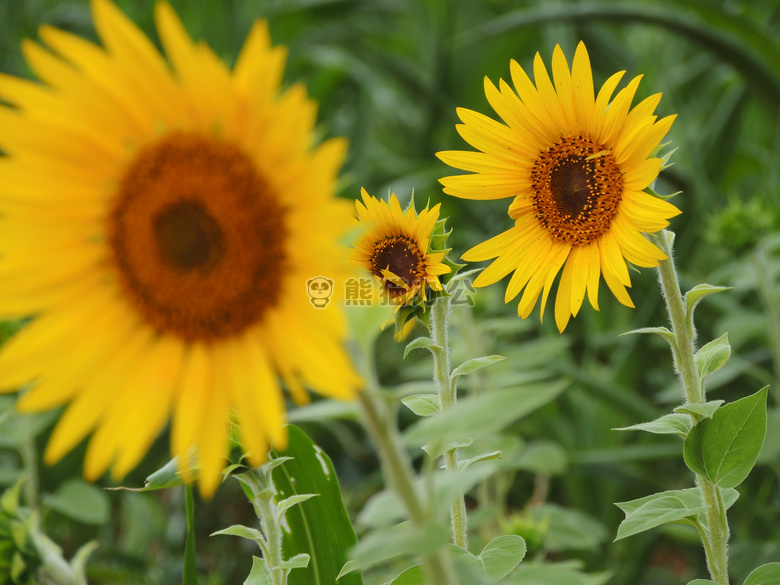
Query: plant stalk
{"points": [[447, 397], [683, 352]]}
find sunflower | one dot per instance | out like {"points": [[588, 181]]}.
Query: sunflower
{"points": [[159, 223], [577, 167], [396, 248]]}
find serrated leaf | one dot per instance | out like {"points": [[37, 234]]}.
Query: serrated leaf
{"points": [[462, 465], [662, 331], [423, 404], [724, 448], [241, 531], [475, 364], [702, 409], [259, 575], [712, 356], [414, 575], [694, 296], [768, 574], [80, 501], [658, 509], [668, 424], [320, 526], [482, 414], [422, 343]]}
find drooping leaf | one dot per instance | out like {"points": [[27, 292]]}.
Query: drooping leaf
{"points": [[724, 448], [466, 463], [318, 527], [420, 343], [694, 296], [662, 331]]}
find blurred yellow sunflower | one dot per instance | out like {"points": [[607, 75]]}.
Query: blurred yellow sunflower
{"points": [[396, 248], [577, 167], [160, 224]]}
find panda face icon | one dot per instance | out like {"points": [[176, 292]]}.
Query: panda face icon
{"points": [[319, 290]]}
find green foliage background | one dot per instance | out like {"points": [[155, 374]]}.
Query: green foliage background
{"points": [[388, 75]]}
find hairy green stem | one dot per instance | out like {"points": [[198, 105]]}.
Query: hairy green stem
{"points": [[260, 483], [683, 352], [399, 476], [447, 397]]}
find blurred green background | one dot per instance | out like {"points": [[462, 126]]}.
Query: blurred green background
{"points": [[388, 75]]}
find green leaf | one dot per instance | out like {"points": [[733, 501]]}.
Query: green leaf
{"points": [[724, 448], [662, 331], [658, 509], [300, 561], [702, 409], [80, 501], [483, 414], [542, 457], [319, 527], [259, 575], [465, 464], [694, 296], [501, 555], [241, 531], [669, 424], [702, 582], [569, 529], [423, 404], [552, 574], [402, 539], [414, 575], [475, 364], [768, 574], [420, 343], [287, 503], [437, 448], [712, 355]]}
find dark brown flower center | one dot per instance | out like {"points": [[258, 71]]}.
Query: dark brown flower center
{"points": [[401, 256], [577, 187], [198, 238]]}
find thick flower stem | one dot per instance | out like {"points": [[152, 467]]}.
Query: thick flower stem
{"points": [[447, 397], [260, 483], [683, 352]]}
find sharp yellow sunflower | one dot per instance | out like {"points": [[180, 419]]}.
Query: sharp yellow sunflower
{"points": [[576, 166], [396, 248], [160, 222]]}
